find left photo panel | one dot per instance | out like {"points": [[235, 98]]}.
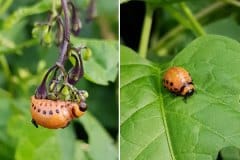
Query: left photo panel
{"points": [[59, 80]]}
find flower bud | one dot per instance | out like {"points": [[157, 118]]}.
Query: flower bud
{"points": [[87, 54], [91, 11], [76, 72]]}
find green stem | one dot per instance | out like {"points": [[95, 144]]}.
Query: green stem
{"points": [[6, 71], [180, 28], [4, 64], [233, 2], [146, 31], [195, 24], [6, 4]]}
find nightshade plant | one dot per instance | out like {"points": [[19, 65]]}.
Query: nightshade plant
{"points": [[61, 84], [24, 63]]}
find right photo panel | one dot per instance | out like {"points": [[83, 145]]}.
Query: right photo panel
{"points": [[179, 80]]}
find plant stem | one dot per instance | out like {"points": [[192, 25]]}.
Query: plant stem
{"points": [[5, 66], [178, 29], [195, 24], [146, 31], [6, 4], [64, 47], [233, 2]]}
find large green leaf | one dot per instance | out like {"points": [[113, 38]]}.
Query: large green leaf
{"points": [[101, 145], [102, 67], [157, 125]]}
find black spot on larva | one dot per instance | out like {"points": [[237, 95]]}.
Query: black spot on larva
{"points": [[62, 106], [57, 111], [44, 112], [190, 82], [171, 83], [50, 112], [182, 88], [34, 107], [166, 81], [50, 104], [39, 110]]}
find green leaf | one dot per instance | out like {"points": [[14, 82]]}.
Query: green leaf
{"points": [[102, 67], [108, 115], [157, 125], [226, 27], [7, 145], [80, 153], [101, 145], [19, 14], [156, 2]]}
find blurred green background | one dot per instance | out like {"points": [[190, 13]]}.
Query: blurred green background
{"points": [[23, 62]]}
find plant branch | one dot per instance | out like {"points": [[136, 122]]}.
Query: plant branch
{"points": [[6, 4], [233, 2], [5, 66], [143, 45], [195, 24], [206, 11], [64, 47]]}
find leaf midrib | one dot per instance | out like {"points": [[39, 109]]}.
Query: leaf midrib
{"points": [[166, 127], [162, 112]]}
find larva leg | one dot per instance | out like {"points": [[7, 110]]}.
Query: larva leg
{"points": [[34, 123]]}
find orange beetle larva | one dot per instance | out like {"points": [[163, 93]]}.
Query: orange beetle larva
{"points": [[55, 114], [177, 80]]}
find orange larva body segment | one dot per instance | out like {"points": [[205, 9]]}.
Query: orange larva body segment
{"points": [[178, 81], [53, 114]]}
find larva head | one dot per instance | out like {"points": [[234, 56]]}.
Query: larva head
{"points": [[188, 90], [78, 109]]}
